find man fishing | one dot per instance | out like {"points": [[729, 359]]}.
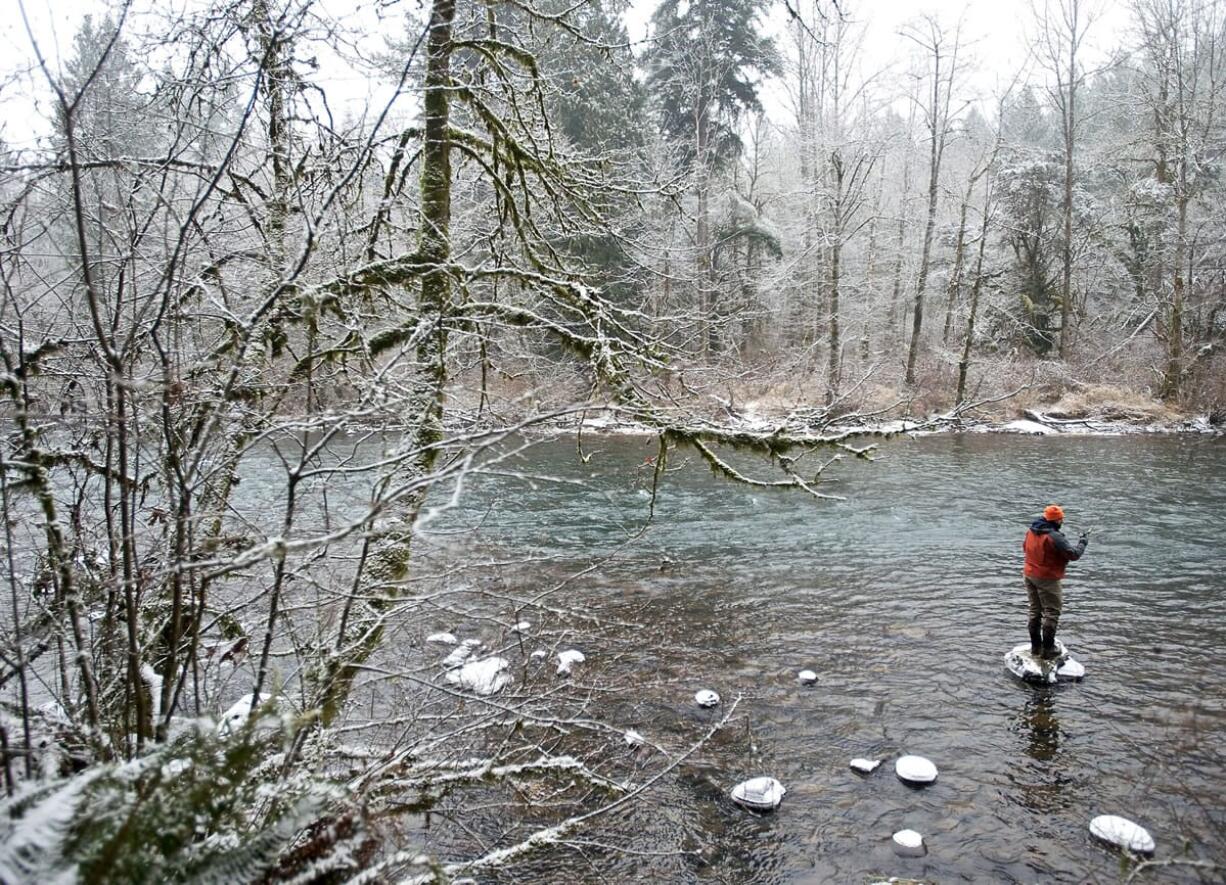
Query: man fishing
{"points": [[1047, 554]]}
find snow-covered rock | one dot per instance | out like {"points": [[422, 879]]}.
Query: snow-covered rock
{"points": [[915, 770], [522, 627], [867, 766], [1033, 428], [759, 793], [539, 654], [442, 638], [1030, 668], [706, 698], [1122, 833], [806, 677], [458, 656], [233, 718], [485, 676], [1070, 670], [567, 660], [909, 843], [633, 738]]}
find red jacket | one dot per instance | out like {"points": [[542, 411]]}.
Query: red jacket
{"points": [[1048, 551]]}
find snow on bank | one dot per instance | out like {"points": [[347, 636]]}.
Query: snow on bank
{"points": [[1037, 424]]}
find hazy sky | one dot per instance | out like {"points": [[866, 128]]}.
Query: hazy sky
{"points": [[995, 31]]}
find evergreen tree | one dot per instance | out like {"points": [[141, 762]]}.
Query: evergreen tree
{"points": [[704, 73]]}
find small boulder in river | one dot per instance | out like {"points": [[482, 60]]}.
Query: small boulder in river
{"points": [[485, 677], [706, 698], [806, 677], [759, 793], [865, 766], [1122, 833], [567, 660], [909, 843], [915, 770]]}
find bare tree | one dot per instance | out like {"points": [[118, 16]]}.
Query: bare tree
{"points": [[941, 49], [1181, 79]]}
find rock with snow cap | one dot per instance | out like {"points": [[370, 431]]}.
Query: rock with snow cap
{"points": [[1071, 671], [485, 676], [633, 738], [1122, 833], [865, 766], [759, 793], [1043, 671], [567, 660], [458, 656], [442, 638], [522, 627], [806, 677], [909, 843], [915, 770], [706, 698], [233, 719]]}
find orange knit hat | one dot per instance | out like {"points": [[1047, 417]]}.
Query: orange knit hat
{"points": [[1053, 513]]}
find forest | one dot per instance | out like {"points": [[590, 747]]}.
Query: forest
{"points": [[282, 279]]}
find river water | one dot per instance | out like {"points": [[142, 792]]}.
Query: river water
{"points": [[903, 598]]}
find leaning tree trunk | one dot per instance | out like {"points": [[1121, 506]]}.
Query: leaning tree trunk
{"points": [[388, 550]]}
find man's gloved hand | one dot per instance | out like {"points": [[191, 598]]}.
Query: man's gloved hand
{"points": [[1085, 538]]}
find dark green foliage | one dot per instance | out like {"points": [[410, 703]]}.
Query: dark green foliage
{"points": [[596, 101], [704, 73], [200, 808]]}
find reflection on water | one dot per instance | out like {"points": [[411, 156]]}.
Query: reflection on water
{"points": [[1041, 725], [903, 599]]}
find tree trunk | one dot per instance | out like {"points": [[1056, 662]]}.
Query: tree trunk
{"points": [[955, 277], [389, 548], [968, 339], [1172, 382], [936, 135]]}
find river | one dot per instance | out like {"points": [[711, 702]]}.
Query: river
{"points": [[903, 598]]}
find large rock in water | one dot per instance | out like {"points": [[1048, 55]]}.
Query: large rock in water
{"points": [[1122, 833], [759, 793], [1031, 668]]}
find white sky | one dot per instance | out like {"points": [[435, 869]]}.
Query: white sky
{"points": [[996, 32]]}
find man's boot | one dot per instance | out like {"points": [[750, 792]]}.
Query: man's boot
{"points": [[1036, 637], [1050, 652]]}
